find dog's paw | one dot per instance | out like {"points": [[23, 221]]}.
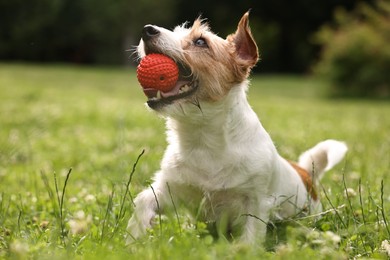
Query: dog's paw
{"points": [[138, 226], [136, 229]]}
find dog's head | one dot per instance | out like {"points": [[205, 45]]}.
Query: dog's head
{"points": [[209, 66]]}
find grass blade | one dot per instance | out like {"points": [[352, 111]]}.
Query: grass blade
{"points": [[158, 209], [60, 199], [108, 210], [361, 202], [174, 207], [383, 208], [127, 191]]}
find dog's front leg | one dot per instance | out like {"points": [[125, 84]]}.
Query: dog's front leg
{"points": [[147, 204], [255, 227]]}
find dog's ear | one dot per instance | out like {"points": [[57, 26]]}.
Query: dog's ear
{"points": [[245, 46]]}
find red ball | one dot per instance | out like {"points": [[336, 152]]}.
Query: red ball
{"points": [[157, 71]]}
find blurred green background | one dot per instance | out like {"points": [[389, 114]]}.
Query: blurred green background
{"points": [[346, 41], [102, 31]]}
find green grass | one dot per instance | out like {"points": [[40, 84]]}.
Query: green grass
{"points": [[54, 118]]}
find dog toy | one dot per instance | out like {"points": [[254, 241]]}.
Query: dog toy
{"points": [[157, 71]]}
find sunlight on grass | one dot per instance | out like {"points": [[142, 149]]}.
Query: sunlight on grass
{"points": [[94, 121]]}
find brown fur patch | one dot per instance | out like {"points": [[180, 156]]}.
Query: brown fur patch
{"points": [[212, 65], [307, 180], [219, 66]]}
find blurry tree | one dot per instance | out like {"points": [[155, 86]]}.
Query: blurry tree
{"points": [[356, 51], [100, 31], [83, 31], [22, 24]]}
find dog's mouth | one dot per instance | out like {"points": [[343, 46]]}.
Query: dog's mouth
{"points": [[185, 87]]}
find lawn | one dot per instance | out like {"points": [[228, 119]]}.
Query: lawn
{"points": [[70, 136]]}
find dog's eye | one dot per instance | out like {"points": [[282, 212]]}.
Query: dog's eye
{"points": [[200, 42]]}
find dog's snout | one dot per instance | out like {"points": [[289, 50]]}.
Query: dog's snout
{"points": [[149, 32]]}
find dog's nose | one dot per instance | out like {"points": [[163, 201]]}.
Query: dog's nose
{"points": [[149, 32]]}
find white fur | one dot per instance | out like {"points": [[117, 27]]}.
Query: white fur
{"points": [[322, 157], [221, 162], [225, 153]]}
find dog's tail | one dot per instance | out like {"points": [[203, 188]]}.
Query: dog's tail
{"points": [[322, 158]]}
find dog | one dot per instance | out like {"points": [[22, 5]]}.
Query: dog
{"points": [[220, 162]]}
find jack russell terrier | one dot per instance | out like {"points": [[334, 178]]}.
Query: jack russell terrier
{"points": [[220, 162]]}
